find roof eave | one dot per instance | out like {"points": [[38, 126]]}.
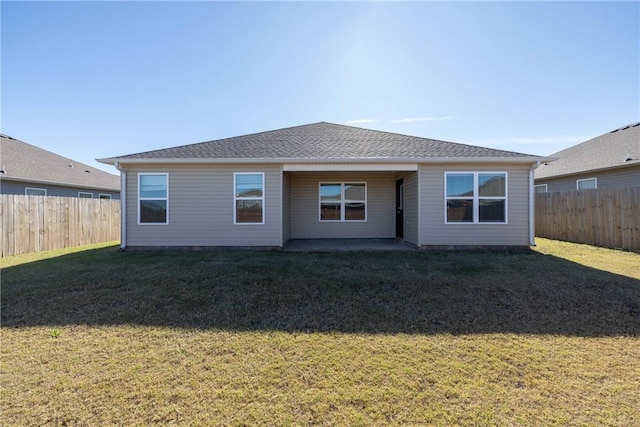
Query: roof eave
{"points": [[61, 184], [586, 171], [207, 160]]}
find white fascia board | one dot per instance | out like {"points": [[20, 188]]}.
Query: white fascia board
{"points": [[123, 161], [338, 167]]}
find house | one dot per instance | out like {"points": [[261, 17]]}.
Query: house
{"points": [[609, 160], [326, 181], [26, 169]]}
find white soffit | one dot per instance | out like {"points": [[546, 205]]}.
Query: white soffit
{"points": [[339, 167]]}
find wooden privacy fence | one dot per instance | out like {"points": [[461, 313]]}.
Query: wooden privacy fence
{"points": [[608, 217], [40, 223]]}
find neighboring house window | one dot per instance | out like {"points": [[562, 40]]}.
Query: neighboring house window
{"points": [[153, 198], [587, 184], [84, 195], [343, 201], [541, 188], [248, 207], [35, 191], [104, 196], [476, 197]]}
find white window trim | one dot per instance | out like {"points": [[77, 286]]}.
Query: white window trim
{"points": [[578, 181], [546, 188], [104, 196], [85, 192], [35, 189], [476, 198], [343, 201], [236, 198], [153, 198]]}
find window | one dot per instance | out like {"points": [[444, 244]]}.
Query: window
{"points": [[104, 196], [35, 191], [587, 184], [476, 197], [153, 198], [541, 188], [248, 205], [84, 195], [343, 201]]}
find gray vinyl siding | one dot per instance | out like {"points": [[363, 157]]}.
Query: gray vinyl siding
{"points": [[201, 203], [410, 213], [286, 207], [305, 223], [18, 187], [434, 231], [623, 177]]}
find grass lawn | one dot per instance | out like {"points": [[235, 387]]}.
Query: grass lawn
{"points": [[93, 336]]}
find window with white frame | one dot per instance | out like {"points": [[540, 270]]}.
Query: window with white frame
{"points": [[541, 188], [248, 206], [476, 197], [587, 184], [84, 195], [153, 198], [104, 196], [343, 201], [29, 191]]}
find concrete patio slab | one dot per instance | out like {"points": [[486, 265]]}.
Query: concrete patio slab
{"points": [[347, 245]]}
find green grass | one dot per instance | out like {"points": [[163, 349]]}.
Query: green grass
{"points": [[93, 336]]}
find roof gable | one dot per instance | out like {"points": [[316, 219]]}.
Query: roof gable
{"points": [[25, 162], [322, 141], [616, 149]]}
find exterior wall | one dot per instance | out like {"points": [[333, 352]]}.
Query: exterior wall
{"points": [[623, 177], [434, 231], [410, 204], [200, 208], [305, 222], [286, 207], [18, 187]]}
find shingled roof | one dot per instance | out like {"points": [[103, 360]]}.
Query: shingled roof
{"points": [[20, 161], [322, 141], [616, 149]]}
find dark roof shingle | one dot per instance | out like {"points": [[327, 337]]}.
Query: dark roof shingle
{"points": [[618, 148], [324, 141], [22, 161]]}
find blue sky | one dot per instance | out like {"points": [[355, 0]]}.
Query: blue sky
{"points": [[98, 79]]}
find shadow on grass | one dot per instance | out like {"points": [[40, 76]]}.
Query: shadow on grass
{"points": [[413, 293]]}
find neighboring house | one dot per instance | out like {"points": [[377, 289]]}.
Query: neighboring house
{"points": [[26, 169], [610, 160], [326, 181]]}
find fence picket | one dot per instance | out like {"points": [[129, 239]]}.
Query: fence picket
{"points": [[608, 217], [38, 223]]}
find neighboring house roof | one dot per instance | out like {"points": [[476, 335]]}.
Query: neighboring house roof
{"points": [[20, 161], [321, 142], [617, 149]]}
